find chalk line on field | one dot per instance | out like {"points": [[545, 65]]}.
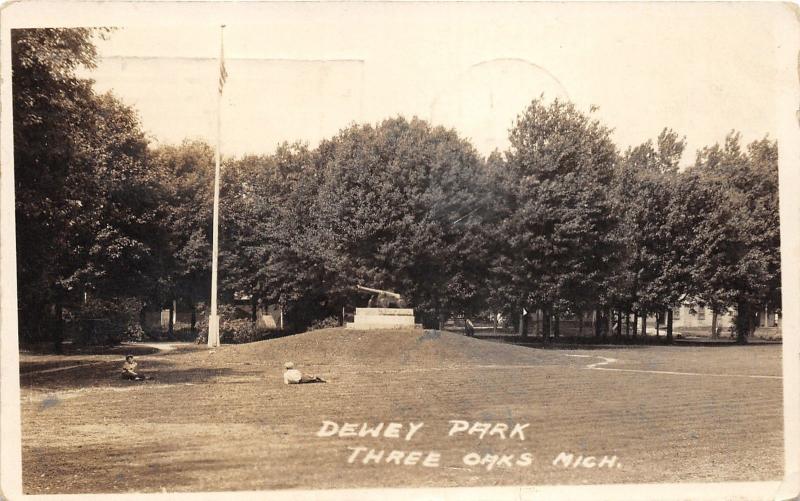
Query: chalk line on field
{"points": [[685, 373], [66, 367], [607, 360]]}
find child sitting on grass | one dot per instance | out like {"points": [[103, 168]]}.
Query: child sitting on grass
{"points": [[129, 370], [294, 376]]}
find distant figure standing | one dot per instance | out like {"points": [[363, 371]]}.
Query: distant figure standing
{"points": [[469, 327], [294, 376], [129, 370]]}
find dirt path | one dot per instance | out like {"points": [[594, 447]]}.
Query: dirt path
{"points": [[162, 348]]}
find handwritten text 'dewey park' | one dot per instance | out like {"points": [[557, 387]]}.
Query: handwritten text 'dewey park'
{"points": [[484, 431]]}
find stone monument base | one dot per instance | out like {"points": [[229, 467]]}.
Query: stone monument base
{"points": [[382, 318]]}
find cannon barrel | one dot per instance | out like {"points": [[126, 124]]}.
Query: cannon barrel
{"points": [[379, 291]]}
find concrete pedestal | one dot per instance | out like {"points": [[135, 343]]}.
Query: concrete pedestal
{"points": [[382, 318]]}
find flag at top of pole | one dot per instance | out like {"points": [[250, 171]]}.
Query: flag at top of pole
{"points": [[213, 318], [223, 73]]}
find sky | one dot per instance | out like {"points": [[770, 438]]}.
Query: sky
{"points": [[303, 71]]}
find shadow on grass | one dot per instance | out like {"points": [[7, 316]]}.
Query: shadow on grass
{"points": [[109, 374], [114, 468], [195, 375]]}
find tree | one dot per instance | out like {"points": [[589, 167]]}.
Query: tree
{"points": [[184, 177], [46, 97], [691, 200], [557, 219], [653, 277], [81, 215], [739, 242], [396, 203], [270, 251], [117, 230]]}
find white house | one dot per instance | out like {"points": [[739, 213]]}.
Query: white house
{"points": [[698, 317]]}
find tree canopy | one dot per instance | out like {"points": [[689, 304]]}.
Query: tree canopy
{"points": [[561, 222]]}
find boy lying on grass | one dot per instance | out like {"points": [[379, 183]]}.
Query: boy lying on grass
{"points": [[294, 376], [129, 370]]}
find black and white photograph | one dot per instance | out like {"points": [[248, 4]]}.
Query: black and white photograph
{"points": [[400, 250]]}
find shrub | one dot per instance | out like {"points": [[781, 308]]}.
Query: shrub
{"points": [[240, 330], [325, 323], [108, 321], [232, 330]]}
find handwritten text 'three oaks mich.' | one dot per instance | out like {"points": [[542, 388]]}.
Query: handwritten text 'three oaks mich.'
{"points": [[457, 428]]}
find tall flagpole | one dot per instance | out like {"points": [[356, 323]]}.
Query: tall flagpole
{"points": [[213, 319]]}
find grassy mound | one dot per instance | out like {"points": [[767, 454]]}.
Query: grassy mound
{"points": [[384, 348]]}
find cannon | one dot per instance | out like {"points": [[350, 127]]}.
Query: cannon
{"points": [[383, 299]]}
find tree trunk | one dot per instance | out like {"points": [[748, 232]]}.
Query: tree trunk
{"points": [[596, 322], [170, 322], [580, 324], [644, 324], [556, 325], [742, 321], [635, 324], [143, 318], [194, 319], [58, 331], [627, 323], [714, 334], [619, 324], [605, 325], [523, 327], [658, 325], [254, 309], [546, 324], [669, 325]]}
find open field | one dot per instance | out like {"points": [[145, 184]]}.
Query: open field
{"points": [[224, 420]]}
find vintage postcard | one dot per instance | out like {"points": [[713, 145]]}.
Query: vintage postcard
{"points": [[439, 250]]}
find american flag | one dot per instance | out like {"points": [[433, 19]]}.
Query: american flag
{"points": [[223, 73]]}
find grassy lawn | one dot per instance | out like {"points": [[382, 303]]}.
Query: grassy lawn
{"points": [[224, 420]]}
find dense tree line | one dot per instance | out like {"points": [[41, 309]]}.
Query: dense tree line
{"points": [[109, 225]]}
